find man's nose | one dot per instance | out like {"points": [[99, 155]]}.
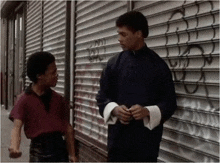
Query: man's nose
{"points": [[119, 39]]}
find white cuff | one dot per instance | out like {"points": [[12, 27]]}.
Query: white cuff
{"points": [[155, 117], [108, 117]]}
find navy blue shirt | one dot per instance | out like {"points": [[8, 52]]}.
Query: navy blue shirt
{"points": [[137, 77]]}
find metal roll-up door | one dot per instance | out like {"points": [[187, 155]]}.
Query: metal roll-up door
{"points": [[96, 41], [186, 35], [33, 30], [54, 33]]}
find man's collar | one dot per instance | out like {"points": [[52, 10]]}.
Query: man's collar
{"points": [[141, 50], [29, 90]]}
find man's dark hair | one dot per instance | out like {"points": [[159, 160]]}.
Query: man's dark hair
{"points": [[37, 64], [134, 21]]}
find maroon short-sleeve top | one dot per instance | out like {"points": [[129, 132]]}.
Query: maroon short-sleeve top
{"points": [[37, 118]]}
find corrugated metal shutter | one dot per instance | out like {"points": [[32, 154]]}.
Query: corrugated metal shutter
{"points": [[96, 41], [186, 35], [54, 32], [33, 30]]}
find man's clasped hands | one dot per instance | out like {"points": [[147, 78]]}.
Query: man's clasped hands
{"points": [[125, 115]]}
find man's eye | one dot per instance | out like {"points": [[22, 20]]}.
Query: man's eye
{"points": [[122, 34]]}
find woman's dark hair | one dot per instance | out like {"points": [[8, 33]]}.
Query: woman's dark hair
{"points": [[134, 21], [37, 64]]}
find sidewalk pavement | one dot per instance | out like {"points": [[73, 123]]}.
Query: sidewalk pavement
{"points": [[6, 127]]}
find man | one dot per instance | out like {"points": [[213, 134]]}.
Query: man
{"points": [[44, 114], [136, 94]]}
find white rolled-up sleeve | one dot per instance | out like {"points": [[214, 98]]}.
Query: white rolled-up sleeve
{"points": [[154, 119], [108, 117]]}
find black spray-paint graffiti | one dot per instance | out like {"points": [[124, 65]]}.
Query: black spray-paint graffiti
{"points": [[96, 50], [183, 60]]}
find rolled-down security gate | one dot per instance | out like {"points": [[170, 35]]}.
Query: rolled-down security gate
{"points": [[33, 29], [186, 35], [54, 33], [46, 30], [96, 41]]}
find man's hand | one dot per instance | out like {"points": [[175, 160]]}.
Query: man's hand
{"points": [[15, 139], [73, 159], [122, 113], [13, 153], [138, 112], [70, 141]]}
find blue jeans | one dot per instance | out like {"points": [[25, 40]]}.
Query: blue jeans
{"points": [[48, 148]]}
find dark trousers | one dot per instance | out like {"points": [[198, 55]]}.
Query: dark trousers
{"points": [[122, 155], [48, 148]]}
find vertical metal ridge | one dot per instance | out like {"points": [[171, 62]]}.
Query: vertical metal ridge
{"points": [[42, 26], [130, 5], [72, 57], [24, 44], [67, 52]]}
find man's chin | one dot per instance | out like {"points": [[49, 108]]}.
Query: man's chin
{"points": [[124, 48], [54, 85]]}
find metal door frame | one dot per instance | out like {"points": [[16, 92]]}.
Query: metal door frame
{"points": [[18, 53], [10, 48]]}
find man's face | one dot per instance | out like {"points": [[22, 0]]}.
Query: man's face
{"points": [[50, 77], [127, 39]]}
